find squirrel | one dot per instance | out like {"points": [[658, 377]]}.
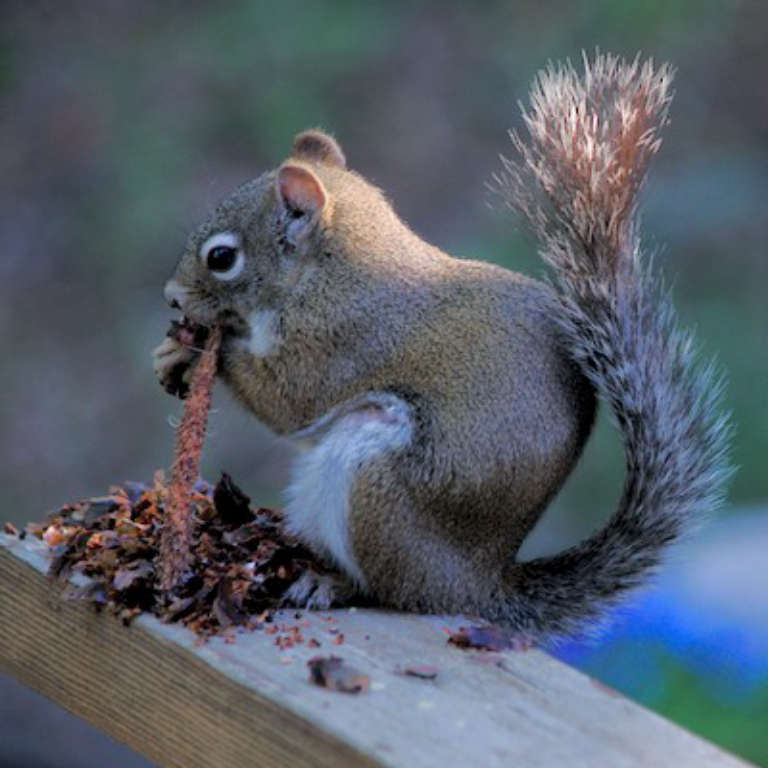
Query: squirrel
{"points": [[439, 404]]}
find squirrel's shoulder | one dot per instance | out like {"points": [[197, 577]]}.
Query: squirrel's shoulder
{"points": [[484, 286]]}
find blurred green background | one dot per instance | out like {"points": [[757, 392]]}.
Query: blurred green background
{"points": [[122, 122]]}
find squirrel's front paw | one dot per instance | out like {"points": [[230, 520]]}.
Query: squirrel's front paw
{"points": [[319, 591], [173, 366]]}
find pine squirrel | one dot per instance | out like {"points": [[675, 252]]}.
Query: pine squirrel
{"points": [[439, 404]]}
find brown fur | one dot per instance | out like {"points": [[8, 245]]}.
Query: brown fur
{"points": [[502, 413], [341, 313]]}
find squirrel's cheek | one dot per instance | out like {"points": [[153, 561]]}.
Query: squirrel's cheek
{"points": [[263, 339]]}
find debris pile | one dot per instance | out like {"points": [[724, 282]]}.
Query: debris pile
{"points": [[241, 560]]}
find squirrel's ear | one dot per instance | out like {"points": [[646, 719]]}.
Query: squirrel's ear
{"points": [[301, 197], [319, 147]]}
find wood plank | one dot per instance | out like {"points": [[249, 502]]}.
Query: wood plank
{"points": [[179, 703]]}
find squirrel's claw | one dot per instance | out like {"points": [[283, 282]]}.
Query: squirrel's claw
{"points": [[173, 366], [318, 591]]}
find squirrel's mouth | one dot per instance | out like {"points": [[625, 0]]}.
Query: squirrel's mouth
{"points": [[190, 333]]}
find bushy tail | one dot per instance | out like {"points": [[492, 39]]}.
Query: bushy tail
{"points": [[576, 178]]}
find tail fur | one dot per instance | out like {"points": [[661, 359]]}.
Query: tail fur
{"points": [[576, 178]]}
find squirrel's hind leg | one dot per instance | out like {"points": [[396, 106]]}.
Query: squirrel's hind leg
{"points": [[333, 451]]}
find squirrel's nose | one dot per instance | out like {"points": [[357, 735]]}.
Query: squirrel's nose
{"points": [[174, 294]]}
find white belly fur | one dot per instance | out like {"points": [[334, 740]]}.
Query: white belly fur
{"points": [[333, 449]]}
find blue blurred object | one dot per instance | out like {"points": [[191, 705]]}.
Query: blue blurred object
{"points": [[708, 613]]}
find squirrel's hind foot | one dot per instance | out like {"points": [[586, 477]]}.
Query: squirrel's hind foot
{"points": [[319, 591]]}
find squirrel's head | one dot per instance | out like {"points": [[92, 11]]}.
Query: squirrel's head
{"points": [[257, 243]]}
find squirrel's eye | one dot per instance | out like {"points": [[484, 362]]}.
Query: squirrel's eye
{"points": [[221, 258]]}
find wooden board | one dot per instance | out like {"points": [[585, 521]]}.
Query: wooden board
{"points": [[249, 703]]}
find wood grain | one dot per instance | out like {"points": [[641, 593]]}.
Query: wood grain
{"points": [[221, 704]]}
